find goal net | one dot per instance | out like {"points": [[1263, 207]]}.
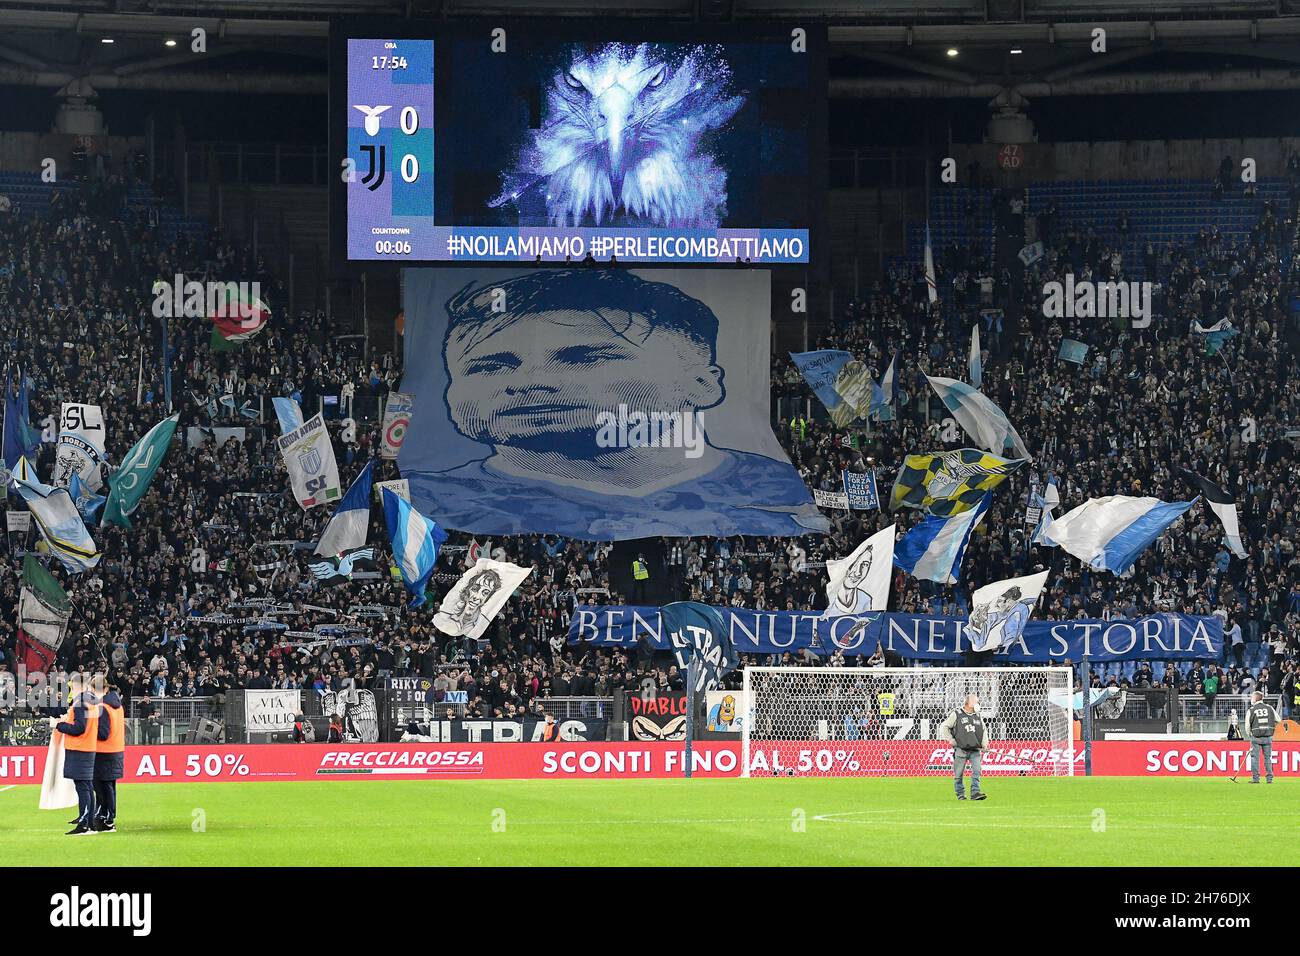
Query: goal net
{"points": [[879, 721]]}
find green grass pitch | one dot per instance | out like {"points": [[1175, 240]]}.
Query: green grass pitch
{"points": [[782, 821]]}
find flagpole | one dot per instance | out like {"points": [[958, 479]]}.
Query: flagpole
{"points": [[1227, 366], [1086, 669], [691, 668]]}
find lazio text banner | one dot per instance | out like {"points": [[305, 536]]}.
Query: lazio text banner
{"points": [[917, 637]]}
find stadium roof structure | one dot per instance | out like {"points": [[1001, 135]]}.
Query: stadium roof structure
{"points": [[880, 48]]}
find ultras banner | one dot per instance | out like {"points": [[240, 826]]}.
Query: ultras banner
{"points": [[601, 404], [917, 637]]}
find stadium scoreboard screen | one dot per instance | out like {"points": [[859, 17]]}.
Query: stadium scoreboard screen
{"points": [[526, 141]]}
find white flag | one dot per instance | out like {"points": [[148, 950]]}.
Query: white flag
{"points": [[57, 791], [932, 289], [80, 448], [478, 596], [399, 486], [1000, 611], [397, 419], [309, 458], [860, 582]]}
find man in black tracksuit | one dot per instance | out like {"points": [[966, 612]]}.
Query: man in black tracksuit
{"points": [[109, 759]]}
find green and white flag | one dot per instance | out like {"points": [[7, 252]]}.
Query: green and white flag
{"points": [[43, 606], [131, 480]]}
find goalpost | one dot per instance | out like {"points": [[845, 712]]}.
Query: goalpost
{"points": [[884, 721]]}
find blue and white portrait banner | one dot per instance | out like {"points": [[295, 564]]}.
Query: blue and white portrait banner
{"points": [[600, 404], [1000, 611], [915, 636]]}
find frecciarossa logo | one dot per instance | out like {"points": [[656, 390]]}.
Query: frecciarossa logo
{"points": [[401, 758]]}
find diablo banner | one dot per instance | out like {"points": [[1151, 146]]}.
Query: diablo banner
{"points": [[397, 419], [80, 448], [916, 637], [599, 404], [662, 717]]}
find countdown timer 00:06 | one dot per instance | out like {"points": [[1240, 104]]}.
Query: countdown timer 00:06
{"points": [[388, 247]]}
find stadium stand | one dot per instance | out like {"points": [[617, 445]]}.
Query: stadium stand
{"points": [[77, 261]]}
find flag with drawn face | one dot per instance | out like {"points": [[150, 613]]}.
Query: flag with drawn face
{"points": [[860, 582], [1000, 611], [480, 594]]}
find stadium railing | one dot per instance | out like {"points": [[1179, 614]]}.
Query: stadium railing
{"points": [[1198, 715], [570, 708]]}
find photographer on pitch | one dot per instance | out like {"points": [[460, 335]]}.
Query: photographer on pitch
{"points": [[965, 730]]}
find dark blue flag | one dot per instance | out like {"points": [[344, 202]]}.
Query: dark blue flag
{"points": [[698, 631]]}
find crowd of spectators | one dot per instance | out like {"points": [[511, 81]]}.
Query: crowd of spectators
{"points": [[218, 528]]}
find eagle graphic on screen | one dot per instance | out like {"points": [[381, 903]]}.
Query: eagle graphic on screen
{"points": [[623, 140]]}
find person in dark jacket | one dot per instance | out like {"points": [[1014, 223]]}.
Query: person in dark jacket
{"points": [[110, 758], [80, 729]]}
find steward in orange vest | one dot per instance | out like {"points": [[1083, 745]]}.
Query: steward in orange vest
{"points": [[110, 756], [80, 729]]}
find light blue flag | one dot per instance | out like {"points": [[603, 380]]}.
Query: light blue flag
{"points": [[933, 550], [1108, 534], [979, 416], [1044, 519], [416, 540], [976, 357], [58, 520], [351, 521], [1073, 351], [87, 501], [1215, 335], [841, 382], [884, 397], [290, 415]]}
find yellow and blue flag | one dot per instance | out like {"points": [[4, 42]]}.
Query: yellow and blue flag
{"points": [[947, 483]]}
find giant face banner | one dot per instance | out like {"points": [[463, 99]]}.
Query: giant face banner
{"points": [[596, 404], [917, 637]]}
